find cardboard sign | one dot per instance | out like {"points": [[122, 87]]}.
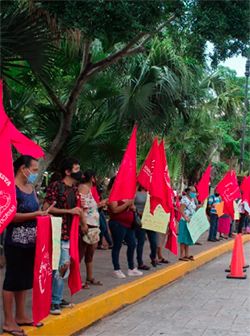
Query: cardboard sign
{"points": [[157, 222], [56, 241], [219, 207], [198, 224]]}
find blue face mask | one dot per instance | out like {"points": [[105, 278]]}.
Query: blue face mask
{"points": [[32, 177], [192, 194]]}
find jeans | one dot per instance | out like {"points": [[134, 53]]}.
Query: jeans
{"points": [[58, 283], [243, 222], [119, 234], [104, 230], [140, 236], [213, 226]]}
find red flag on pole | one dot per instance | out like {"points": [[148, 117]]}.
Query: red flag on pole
{"points": [[245, 188], [145, 175], [95, 194], [171, 243], [9, 135], [160, 188], [203, 185], [42, 283], [74, 281], [229, 191], [124, 186]]}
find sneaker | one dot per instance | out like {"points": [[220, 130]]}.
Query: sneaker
{"points": [[66, 304], [55, 309], [134, 272], [119, 274]]}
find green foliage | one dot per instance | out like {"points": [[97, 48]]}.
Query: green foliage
{"points": [[110, 21]]}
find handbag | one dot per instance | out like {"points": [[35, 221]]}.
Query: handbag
{"points": [[92, 236], [137, 224]]}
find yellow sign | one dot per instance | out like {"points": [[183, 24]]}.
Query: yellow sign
{"points": [[236, 211], [219, 207], [157, 222], [56, 241]]}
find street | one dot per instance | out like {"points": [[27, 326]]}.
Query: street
{"points": [[203, 303]]}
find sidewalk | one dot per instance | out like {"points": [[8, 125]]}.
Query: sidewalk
{"points": [[103, 272], [203, 303]]}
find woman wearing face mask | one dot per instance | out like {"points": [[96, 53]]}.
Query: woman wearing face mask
{"points": [[20, 247], [187, 209], [87, 248]]}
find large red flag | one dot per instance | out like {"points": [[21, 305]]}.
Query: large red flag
{"points": [[124, 186], [95, 194], [9, 135], [74, 281], [203, 185], [229, 191], [171, 243], [245, 188], [145, 175], [42, 283], [160, 188]]}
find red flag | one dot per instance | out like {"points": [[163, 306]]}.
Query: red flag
{"points": [[74, 281], [42, 283], [95, 194], [9, 135], [203, 185], [160, 188], [245, 188], [145, 175], [229, 191], [171, 243], [124, 186]]}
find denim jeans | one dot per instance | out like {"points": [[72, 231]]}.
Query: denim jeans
{"points": [[58, 281], [119, 234], [213, 226], [104, 230], [140, 236], [152, 238]]}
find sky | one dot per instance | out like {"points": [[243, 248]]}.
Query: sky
{"points": [[236, 63]]}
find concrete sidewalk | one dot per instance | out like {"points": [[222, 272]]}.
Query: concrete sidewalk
{"points": [[203, 303], [108, 297]]}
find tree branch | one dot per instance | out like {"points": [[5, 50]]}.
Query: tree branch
{"points": [[85, 54], [55, 100], [90, 69]]}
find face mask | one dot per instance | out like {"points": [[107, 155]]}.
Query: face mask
{"points": [[192, 194], [77, 176], [32, 178]]}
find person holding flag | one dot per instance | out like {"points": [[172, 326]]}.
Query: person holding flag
{"points": [[62, 197], [20, 246]]}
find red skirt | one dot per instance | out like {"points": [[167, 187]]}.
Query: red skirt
{"points": [[224, 225]]}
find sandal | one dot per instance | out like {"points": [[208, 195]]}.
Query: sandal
{"points": [[184, 259], [14, 332], [191, 258], [30, 324], [163, 261], [85, 286], [94, 282]]}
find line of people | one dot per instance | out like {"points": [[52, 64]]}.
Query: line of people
{"points": [[74, 193]]}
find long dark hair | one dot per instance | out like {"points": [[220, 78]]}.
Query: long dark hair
{"points": [[23, 160], [87, 175]]}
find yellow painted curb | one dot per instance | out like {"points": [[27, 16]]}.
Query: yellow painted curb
{"points": [[90, 311]]}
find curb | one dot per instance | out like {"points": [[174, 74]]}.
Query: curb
{"points": [[84, 314]]}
